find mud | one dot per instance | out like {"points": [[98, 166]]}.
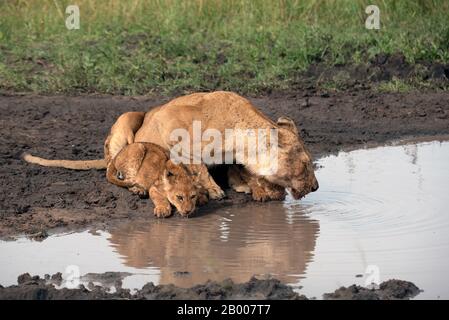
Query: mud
{"points": [[36, 288], [388, 290], [35, 200], [382, 67]]}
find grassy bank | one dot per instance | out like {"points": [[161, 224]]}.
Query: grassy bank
{"points": [[138, 47]]}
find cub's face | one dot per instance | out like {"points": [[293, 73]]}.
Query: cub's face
{"points": [[139, 166], [179, 188]]}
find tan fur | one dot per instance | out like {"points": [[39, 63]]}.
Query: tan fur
{"points": [[145, 167], [122, 133], [202, 177], [241, 180], [226, 110], [69, 164]]}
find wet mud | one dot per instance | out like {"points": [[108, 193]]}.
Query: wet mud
{"points": [[36, 288]]}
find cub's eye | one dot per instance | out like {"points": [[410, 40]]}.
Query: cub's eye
{"points": [[193, 197], [180, 198], [120, 175]]}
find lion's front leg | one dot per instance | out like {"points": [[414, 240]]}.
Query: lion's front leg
{"points": [[162, 207], [261, 189], [140, 191], [214, 190], [235, 180], [274, 191], [203, 177]]}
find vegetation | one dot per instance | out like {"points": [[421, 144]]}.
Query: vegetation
{"points": [[138, 47]]}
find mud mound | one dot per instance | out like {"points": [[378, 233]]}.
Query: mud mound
{"points": [[36, 288], [388, 290]]}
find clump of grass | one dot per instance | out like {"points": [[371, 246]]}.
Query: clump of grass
{"points": [[395, 85], [139, 47]]}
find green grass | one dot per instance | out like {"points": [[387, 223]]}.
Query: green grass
{"points": [[396, 85], [139, 47]]}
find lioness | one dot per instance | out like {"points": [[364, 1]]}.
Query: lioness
{"points": [[226, 110]]}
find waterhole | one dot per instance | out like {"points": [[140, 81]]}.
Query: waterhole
{"points": [[380, 213]]}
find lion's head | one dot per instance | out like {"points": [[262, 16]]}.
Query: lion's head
{"points": [[179, 188], [139, 166], [295, 165]]}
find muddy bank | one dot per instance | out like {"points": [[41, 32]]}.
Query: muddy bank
{"points": [[388, 290], [381, 68], [35, 199], [36, 288]]}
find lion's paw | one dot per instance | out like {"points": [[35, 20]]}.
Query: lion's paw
{"points": [[216, 193], [277, 194], [243, 188], [162, 211], [141, 192], [259, 194]]}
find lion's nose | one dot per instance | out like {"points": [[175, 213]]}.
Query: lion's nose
{"points": [[188, 212], [315, 186]]}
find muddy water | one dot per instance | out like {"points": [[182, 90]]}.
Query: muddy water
{"points": [[380, 213]]}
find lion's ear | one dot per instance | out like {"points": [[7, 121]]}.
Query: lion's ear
{"points": [[168, 171], [287, 123], [125, 166], [135, 153]]}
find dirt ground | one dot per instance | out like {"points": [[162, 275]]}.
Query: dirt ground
{"points": [[34, 199], [36, 288]]}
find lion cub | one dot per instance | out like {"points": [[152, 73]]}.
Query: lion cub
{"points": [[145, 168]]}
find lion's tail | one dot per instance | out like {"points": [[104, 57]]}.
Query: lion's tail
{"points": [[68, 164]]}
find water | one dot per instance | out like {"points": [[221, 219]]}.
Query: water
{"points": [[380, 213]]}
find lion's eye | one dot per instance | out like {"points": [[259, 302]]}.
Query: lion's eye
{"points": [[120, 175], [180, 198], [193, 197]]}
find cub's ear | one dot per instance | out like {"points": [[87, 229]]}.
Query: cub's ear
{"points": [[129, 160], [169, 170], [194, 170], [124, 167], [287, 123], [134, 154]]}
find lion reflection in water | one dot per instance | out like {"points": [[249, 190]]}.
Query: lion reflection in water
{"points": [[256, 240]]}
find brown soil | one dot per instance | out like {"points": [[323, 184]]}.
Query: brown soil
{"points": [[35, 288], [381, 68], [35, 199]]}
